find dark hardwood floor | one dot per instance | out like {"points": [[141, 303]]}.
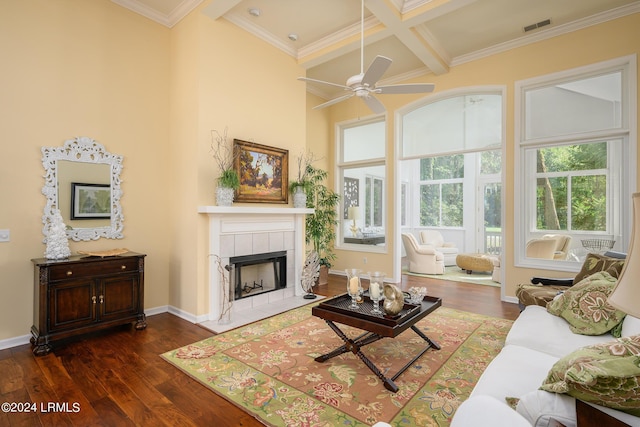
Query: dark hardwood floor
{"points": [[118, 379]]}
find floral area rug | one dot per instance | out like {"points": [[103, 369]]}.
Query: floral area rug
{"points": [[268, 369]]}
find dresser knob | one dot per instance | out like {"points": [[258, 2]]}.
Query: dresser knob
{"points": [[69, 273], [93, 298], [123, 267]]}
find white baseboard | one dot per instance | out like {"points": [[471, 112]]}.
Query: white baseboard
{"points": [[15, 341], [189, 317]]}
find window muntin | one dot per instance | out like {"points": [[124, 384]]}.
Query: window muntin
{"points": [[571, 187], [441, 191]]}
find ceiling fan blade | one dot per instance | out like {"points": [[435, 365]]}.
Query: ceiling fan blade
{"points": [[333, 101], [374, 104], [306, 79], [406, 88], [376, 70]]}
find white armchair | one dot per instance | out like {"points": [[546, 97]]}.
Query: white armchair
{"points": [[448, 249], [541, 248], [422, 259]]}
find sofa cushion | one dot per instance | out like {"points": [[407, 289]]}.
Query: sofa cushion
{"points": [[585, 306], [514, 372], [606, 374], [594, 263], [481, 411], [541, 331], [538, 407]]}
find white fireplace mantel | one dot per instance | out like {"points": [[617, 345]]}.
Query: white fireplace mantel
{"points": [[225, 221], [253, 210]]}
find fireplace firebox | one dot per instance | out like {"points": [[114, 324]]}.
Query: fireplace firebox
{"points": [[257, 273]]}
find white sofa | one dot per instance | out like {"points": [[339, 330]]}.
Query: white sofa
{"points": [[536, 341]]}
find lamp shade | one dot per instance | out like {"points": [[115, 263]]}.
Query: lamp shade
{"points": [[353, 212], [626, 294]]}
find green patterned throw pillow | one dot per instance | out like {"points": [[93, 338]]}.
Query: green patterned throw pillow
{"points": [[585, 306], [606, 374]]}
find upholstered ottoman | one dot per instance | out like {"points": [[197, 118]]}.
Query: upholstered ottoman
{"points": [[475, 262]]}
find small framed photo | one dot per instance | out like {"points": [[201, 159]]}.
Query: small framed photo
{"points": [[263, 173], [90, 201]]}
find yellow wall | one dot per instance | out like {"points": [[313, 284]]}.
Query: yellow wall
{"points": [[246, 86], [76, 68], [613, 39], [151, 94]]}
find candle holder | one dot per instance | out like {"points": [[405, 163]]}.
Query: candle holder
{"points": [[354, 287], [376, 282]]}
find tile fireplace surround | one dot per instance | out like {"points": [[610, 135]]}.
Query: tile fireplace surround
{"points": [[238, 231]]}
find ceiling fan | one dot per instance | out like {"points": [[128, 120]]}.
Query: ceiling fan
{"points": [[363, 85]]}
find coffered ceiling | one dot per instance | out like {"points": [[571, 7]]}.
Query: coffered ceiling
{"points": [[422, 37]]}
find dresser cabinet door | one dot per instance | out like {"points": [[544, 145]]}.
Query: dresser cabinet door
{"points": [[72, 304], [119, 297]]}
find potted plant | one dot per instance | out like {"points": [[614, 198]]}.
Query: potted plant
{"points": [[228, 181], [299, 187], [320, 227]]}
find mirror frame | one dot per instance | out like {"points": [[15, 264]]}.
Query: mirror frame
{"points": [[87, 150]]}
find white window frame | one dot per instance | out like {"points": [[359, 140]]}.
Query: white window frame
{"points": [[341, 166], [524, 200]]}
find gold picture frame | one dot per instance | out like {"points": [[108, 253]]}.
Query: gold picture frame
{"points": [[263, 172]]}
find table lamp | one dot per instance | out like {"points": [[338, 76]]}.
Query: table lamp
{"points": [[353, 213], [626, 294]]}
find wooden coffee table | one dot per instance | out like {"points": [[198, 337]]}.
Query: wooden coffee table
{"points": [[376, 327]]}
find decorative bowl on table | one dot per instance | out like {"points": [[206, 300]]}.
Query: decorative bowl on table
{"points": [[417, 294]]}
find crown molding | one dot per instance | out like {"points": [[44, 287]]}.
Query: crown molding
{"points": [[168, 20], [248, 25], [549, 33]]}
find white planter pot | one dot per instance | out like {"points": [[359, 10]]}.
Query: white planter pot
{"points": [[224, 196], [299, 198]]}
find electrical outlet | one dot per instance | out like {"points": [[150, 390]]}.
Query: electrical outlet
{"points": [[364, 260], [5, 235]]}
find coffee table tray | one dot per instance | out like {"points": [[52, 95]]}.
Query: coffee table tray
{"points": [[341, 303]]}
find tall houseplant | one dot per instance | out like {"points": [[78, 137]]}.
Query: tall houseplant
{"points": [[228, 181], [320, 227]]}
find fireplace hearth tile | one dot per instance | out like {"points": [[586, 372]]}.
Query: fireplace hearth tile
{"points": [[244, 317]]}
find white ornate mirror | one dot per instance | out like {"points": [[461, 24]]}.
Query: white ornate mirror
{"points": [[82, 180]]}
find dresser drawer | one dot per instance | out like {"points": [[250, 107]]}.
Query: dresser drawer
{"points": [[108, 267]]}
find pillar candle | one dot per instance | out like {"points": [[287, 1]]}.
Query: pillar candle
{"points": [[353, 285], [374, 290]]}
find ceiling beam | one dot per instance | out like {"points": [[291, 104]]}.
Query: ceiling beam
{"points": [[389, 16]]}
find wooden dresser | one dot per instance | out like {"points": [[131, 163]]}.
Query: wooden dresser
{"points": [[83, 294]]}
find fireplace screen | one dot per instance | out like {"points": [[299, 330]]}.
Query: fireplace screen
{"points": [[258, 273]]}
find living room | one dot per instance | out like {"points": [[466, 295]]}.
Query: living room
{"points": [[152, 94]]}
